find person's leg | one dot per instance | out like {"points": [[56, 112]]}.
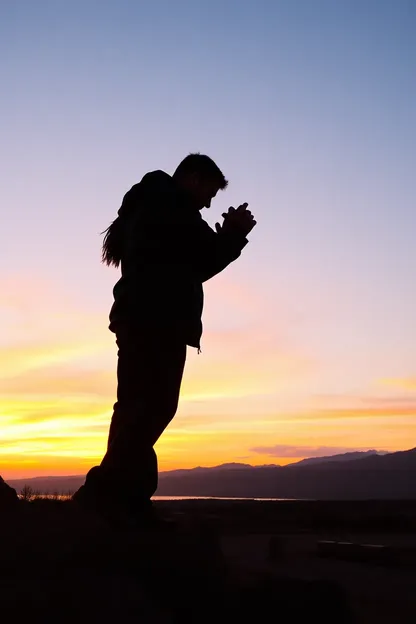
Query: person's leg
{"points": [[116, 418], [149, 379]]}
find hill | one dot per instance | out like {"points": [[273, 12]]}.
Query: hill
{"points": [[372, 476], [342, 457]]}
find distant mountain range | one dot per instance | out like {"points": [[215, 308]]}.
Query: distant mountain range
{"points": [[342, 457], [350, 476]]}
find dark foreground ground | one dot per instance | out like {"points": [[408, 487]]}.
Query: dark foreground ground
{"points": [[228, 561]]}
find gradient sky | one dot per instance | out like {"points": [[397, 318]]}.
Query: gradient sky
{"points": [[309, 108]]}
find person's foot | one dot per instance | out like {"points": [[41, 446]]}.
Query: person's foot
{"points": [[132, 515], [89, 501]]}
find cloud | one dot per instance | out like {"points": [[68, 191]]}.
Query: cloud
{"points": [[372, 411], [34, 311], [226, 294], [58, 381], [405, 383], [17, 360], [247, 362], [287, 450], [337, 407]]}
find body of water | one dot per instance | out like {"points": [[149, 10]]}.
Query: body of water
{"points": [[173, 498], [176, 498]]}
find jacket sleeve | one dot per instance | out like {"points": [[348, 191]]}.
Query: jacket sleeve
{"points": [[215, 251], [192, 243]]}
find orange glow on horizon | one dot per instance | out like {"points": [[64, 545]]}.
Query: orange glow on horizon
{"points": [[249, 392]]}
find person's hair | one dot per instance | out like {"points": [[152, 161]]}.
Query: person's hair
{"points": [[112, 248], [205, 166], [112, 243]]}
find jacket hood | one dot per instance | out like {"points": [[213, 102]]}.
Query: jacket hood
{"points": [[154, 185]]}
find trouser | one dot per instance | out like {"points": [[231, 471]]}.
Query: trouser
{"points": [[149, 376]]}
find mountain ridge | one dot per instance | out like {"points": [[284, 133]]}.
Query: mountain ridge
{"points": [[362, 475]]}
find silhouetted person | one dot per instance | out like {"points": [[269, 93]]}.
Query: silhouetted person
{"points": [[166, 251]]}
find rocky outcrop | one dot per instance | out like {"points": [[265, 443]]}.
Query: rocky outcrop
{"points": [[8, 496]]}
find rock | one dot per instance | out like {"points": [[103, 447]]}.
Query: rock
{"points": [[8, 496]]}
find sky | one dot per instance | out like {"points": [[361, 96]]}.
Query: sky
{"points": [[309, 108]]}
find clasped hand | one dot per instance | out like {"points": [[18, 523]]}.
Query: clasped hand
{"points": [[237, 220]]}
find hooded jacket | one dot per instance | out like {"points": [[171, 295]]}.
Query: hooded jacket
{"points": [[168, 251]]}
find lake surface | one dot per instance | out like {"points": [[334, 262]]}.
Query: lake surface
{"points": [[182, 498], [167, 498]]}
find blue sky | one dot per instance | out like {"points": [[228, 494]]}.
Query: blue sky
{"points": [[309, 109]]}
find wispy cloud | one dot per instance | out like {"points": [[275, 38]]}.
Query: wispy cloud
{"points": [[16, 360], [60, 381], [405, 383], [389, 410]]}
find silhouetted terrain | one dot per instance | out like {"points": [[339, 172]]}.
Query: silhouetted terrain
{"points": [[388, 476], [391, 476], [227, 561], [342, 457]]}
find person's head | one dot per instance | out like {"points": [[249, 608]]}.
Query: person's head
{"points": [[197, 176], [200, 178]]}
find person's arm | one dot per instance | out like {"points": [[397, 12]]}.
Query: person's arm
{"points": [[225, 245], [217, 251], [163, 239]]}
